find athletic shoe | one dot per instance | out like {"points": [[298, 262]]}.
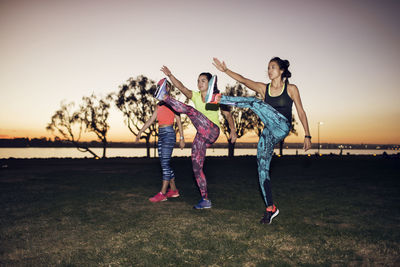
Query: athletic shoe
{"points": [[171, 193], [212, 89], [161, 89], [215, 99], [203, 204], [269, 215], [158, 197]]}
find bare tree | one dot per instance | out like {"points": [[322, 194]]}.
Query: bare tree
{"points": [[135, 100], [245, 120], [94, 113], [69, 125]]}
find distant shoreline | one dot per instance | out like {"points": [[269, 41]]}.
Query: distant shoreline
{"points": [[312, 156], [45, 143]]}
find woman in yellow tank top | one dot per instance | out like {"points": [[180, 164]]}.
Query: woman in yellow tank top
{"points": [[205, 119]]}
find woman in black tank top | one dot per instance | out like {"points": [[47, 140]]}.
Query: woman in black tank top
{"points": [[275, 111]]}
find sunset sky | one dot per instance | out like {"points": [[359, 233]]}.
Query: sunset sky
{"points": [[344, 55]]}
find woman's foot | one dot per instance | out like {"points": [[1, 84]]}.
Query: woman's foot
{"points": [[212, 91], [215, 99], [172, 193], [203, 204], [158, 198], [269, 214], [161, 90]]}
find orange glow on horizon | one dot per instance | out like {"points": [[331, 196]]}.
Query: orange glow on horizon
{"points": [[189, 136]]}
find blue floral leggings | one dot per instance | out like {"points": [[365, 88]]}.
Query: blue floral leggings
{"points": [[166, 143], [276, 128]]}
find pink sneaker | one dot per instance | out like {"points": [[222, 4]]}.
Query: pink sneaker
{"points": [[158, 197], [171, 193]]}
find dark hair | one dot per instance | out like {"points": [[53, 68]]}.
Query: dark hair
{"points": [[283, 65], [207, 74]]}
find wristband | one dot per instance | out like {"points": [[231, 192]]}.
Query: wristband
{"points": [[182, 137], [307, 136]]}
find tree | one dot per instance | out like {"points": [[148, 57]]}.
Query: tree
{"points": [[69, 125], [245, 120], [94, 114], [135, 100]]}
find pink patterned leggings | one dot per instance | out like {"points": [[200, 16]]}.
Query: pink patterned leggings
{"points": [[207, 134]]}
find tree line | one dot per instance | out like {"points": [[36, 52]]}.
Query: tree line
{"points": [[134, 99]]}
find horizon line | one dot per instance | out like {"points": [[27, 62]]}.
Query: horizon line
{"points": [[218, 142]]}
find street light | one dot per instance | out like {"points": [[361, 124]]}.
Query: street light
{"points": [[319, 123]]}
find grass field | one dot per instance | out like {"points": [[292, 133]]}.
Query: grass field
{"points": [[334, 211]]}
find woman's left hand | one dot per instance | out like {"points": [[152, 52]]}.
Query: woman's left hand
{"points": [[221, 66], [166, 71], [307, 144], [182, 144]]}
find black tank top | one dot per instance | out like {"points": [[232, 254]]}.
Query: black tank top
{"points": [[282, 103]]}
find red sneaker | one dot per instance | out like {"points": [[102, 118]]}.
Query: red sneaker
{"points": [[269, 214], [158, 197], [215, 99], [171, 193]]}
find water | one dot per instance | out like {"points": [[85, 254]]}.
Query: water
{"points": [[69, 152]]}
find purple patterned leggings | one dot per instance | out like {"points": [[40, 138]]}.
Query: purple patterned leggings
{"points": [[207, 134]]}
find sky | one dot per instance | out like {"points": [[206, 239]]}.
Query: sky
{"points": [[344, 57]]}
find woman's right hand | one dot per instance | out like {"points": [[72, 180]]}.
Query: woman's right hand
{"points": [[182, 144], [307, 144], [166, 71], [221, 66]]}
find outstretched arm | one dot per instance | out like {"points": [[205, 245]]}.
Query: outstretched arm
{"points": [[147, 124], [176, 82], [258, 87], [181, 139], [228, 117], [295, 95]]}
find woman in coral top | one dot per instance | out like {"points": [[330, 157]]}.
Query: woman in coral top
{"points": [[166, 142]]}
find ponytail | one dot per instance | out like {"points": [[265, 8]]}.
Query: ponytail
{"points": [[283, 65]]}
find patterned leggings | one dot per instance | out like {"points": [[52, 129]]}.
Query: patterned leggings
{"points": [[207, 134], [276, 128], [166, 143]]}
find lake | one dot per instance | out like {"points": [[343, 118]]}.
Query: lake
{"points": [[69, 152]]}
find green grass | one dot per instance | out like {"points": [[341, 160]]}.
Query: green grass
{"points": [[79, 212]]}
